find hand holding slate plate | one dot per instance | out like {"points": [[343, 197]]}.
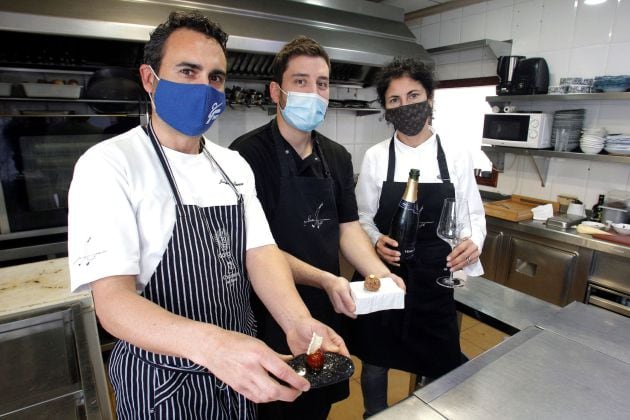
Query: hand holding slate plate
{"points": [[336, 368]]}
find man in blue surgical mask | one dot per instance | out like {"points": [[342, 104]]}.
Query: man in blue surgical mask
{"points": [[305, 184], [166, 231]]}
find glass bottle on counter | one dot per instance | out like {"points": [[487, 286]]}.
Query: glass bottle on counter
{"points": [[596, 212], [404, 225]]}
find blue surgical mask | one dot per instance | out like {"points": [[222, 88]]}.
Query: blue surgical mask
{"points": [[304, 111], [188, 108]]}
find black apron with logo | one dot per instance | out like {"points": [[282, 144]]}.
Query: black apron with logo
{"points": [[305, 225], [200, 277], [423, 338]]}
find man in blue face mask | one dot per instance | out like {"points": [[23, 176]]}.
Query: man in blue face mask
{"points": [[306, 187], [166, 230]]}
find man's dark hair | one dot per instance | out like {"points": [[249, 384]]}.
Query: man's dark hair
{"points": [[194, 20], [300, 45], [400, 67]]}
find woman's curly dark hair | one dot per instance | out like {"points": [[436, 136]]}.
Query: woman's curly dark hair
{"points": [[400, 67], [193, 20]]}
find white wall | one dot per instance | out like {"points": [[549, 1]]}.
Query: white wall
{"points": [[575, 40], [356, 134]]}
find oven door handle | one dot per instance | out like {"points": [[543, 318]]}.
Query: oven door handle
{"points": [[611, 306]]}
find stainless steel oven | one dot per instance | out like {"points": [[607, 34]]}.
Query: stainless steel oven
{"points": [[40, 141], [613, 300], [608, 284], [52, 109]]}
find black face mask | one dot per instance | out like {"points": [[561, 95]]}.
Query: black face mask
{"points": [[409, 119]]}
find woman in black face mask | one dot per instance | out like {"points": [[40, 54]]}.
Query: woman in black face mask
{"points": [[423, 338]]}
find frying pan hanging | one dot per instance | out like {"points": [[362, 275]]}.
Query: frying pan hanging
{"points": [[114, 83]]}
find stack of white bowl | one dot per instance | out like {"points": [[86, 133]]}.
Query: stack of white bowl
{"points": [[593, 140]]}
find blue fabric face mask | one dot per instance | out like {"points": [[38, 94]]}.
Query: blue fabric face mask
{"points": [[188, 108], [304, 111]]}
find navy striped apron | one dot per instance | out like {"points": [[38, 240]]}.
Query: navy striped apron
{"points": [[201, 277]]}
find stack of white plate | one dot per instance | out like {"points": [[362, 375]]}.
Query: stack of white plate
{"points": [[568, 123], [593, 140], [618, 144]]}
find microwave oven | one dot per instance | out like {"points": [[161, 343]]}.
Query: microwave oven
{"points": [[530, 130]]}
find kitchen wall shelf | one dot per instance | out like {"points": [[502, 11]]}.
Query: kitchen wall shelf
{"points": [[605, 96], [100, 101], [540, 157]]}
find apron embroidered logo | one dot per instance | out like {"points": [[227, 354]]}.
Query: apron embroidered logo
{"points": [[315, 222], [223, 240], [232, 275]]}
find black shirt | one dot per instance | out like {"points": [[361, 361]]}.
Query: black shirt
{"points": [[257, 147]]}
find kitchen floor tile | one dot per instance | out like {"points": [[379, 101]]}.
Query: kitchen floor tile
{"points": [[470, 350], [483, 336], [468, 322]]}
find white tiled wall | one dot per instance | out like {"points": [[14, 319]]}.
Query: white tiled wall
{"points": [[355, 133], [575, 40]]}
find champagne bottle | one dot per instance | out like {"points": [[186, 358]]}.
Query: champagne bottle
{"points": [[596, 213], [404, 226]]}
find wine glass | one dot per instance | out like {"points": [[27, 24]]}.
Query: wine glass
{"points": [[454, 227]]}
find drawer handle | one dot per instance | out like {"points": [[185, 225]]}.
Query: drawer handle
{"points": [[526, 268]]}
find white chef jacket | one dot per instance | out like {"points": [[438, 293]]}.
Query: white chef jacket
{"points": [[122, 210], [424, 157]]}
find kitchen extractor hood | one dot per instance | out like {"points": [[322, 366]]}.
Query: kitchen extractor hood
{"points": [[359, 37]]}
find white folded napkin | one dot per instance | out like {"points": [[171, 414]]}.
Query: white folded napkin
{"points": [[543, 212], [389, 296]]}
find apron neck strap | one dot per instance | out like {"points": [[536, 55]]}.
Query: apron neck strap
{"points": [[441, 158], [169, 172], [391, 162], [226, 178], [165, 165]]}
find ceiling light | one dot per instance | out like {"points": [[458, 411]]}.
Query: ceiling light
{"points": [[593, 2]]}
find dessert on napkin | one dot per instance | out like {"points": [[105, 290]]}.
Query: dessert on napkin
{"points": [[387, 296]]}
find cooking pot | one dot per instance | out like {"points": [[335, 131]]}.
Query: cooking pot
{"points": [[114, 83]]}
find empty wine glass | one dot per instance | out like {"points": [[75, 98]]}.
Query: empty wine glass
{"points": [[454, 227]]}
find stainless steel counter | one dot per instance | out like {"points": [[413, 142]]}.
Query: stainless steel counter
{"points": [[508, 306], [593, 327], [573, 365], [570, 236]]}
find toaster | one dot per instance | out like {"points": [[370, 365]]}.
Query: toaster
{"points": [[531, 77]]}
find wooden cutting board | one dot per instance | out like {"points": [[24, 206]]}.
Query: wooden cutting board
{"points": [[516, 208], [614, 237]]}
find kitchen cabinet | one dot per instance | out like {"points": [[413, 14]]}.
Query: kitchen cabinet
{"points": [[491, 255], [550, 270], [540, 157], [50, 361], [539, 269]]}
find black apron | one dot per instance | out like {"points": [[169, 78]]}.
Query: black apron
{"points": [[423, 338], [200, 277], [305, 225]]}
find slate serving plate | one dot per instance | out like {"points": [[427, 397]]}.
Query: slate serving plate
{"points": [[336, 369]]}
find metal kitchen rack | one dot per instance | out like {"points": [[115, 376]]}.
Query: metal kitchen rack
{"points": [[540, 157], [604, 96]]}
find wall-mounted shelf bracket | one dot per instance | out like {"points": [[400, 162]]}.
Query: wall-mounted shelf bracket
{"points": [[497, 158], [542, 167]]}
